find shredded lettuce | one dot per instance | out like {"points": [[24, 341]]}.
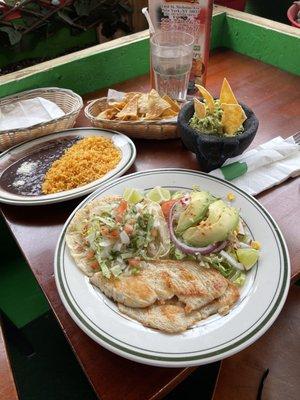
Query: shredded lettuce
{"points": [[116, 270], [231, 260], [106, 221], [178, 254], [244, 238], [135, 271], [104, 269], [238, 278], [228, 271], [148, 238]]}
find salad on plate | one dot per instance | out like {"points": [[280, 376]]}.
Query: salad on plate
{"points": [[167, 258]]}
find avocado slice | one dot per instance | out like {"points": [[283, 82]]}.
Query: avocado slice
{"points": [[221, 220], [215, 211], [195, 211]]}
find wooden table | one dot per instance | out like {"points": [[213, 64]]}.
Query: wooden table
{"points": [[272, 94], [277, 351]]}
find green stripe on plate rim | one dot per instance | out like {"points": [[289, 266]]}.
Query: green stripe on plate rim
{"points": [[259, 207], [81, 192]]}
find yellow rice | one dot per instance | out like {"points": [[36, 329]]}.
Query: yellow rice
{"points": [[87, 160]]}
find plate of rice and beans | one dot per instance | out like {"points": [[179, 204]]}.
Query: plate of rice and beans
{"points": [[63, 166]]}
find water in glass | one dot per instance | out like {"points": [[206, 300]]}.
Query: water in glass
{"points": [[171, 62]]}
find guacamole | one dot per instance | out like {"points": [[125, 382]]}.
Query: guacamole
{"points": [[212, 122]]}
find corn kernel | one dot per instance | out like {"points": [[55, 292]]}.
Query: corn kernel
{"points": [[230, 196], [255, 245]]}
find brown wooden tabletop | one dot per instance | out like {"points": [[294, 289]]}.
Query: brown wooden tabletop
{"points": [[277, 351], [275, 99]]}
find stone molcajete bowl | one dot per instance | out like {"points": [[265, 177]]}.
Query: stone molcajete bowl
{"points": [[212, 150]]}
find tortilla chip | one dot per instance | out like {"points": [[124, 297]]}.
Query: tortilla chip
{"points": [[128, 96], [200, 109], [130, 111], [143, 104], [173, 103], [119, 105], [129, 118], [232, 118], [109, 113], [169, 113], [207, 97], [226, 95], [156, 105]]}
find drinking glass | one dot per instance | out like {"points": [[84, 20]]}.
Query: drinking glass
{"points": [[171, 56]]}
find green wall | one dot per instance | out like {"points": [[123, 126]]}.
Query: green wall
{"points": [[269, 46], [105, 68], [100, 69]]}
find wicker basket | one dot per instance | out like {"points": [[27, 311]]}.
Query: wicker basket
{"points": [[70, 102], [136, 129]]}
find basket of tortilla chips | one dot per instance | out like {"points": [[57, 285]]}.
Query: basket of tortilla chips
{"points": [[136, 114]]}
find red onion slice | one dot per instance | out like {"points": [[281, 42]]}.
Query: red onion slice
{"points": [[185, 201], [212, 248], [221, 246]]}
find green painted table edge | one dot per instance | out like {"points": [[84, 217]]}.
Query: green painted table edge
{"points": [[99, 69], [21, 298]]}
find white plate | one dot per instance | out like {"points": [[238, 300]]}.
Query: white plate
{"points": [[215, 338], [7, 158]]}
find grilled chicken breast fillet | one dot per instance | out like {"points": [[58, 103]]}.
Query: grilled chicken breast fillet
{"points": [[172, 318], [161, 280]]}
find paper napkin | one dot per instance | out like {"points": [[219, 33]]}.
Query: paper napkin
{"points": [[263, 167], [25, 113]]}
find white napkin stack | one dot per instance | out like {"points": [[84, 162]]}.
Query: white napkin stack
{"points": [[26, 113], [263, 167]]}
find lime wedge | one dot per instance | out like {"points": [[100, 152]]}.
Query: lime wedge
{"points": [[177, 195], [248, 257], [132, 195], [159, 194]]}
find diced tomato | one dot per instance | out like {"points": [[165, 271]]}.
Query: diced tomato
{"points": [[166, 207], [90, 254], [94, 265], [111, 234], [114, 234], [134, 262], [121, 210], [128, 229]]}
